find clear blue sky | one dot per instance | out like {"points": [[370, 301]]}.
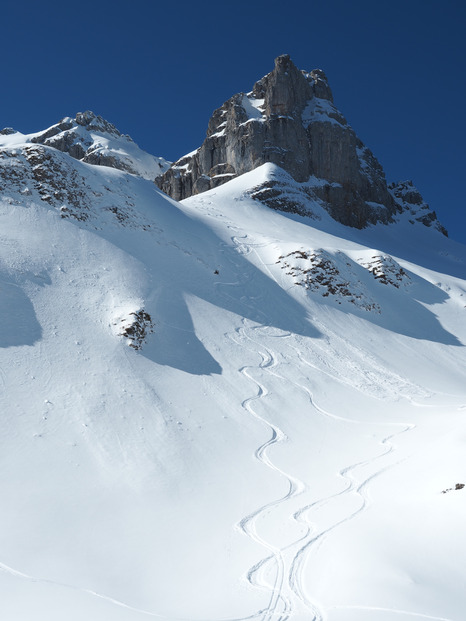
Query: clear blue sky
{"points": [[157, 70]]}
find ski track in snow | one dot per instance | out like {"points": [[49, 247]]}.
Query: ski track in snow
{"points": [[295, 575], [248, 524], [23, 576], [18, 574], [289, 575], [301, 556]]}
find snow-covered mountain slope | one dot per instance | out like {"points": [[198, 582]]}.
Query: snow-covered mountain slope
{"points": [[92, 139], [213, 410]]}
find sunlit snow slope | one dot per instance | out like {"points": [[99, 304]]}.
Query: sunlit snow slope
{"points": [[276, 448]]}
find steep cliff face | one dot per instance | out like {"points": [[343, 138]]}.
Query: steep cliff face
{"points": [[288, 119]]}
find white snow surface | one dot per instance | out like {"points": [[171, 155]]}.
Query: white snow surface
{"points": [[99, 139], [253, 107], [322, 111], [270, 453]]}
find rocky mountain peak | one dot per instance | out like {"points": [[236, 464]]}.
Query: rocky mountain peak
{"points": [[91, 139], [283, 64], [288, 119], [287, 90], [288, 80], [409, 200], [92, 121], [320, 84]]}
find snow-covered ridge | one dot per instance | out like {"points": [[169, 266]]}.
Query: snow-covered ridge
{"points": [[101, 196], [92, 139], [311, 199]]}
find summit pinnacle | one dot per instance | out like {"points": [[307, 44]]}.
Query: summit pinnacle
{"points": [[288, 119]]}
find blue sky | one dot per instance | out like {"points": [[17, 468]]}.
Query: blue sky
{"points": [[157, 71]]}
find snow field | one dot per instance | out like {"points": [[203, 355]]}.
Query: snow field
{"points": [[269, 453]]}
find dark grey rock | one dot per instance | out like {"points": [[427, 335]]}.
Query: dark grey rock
{"points": [[62, 126], [93, 140], [409, 199], [89, 120], [288, 119]]}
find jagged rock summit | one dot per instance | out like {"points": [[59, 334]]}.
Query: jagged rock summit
{"points": [[289, 119], [91, 139]]}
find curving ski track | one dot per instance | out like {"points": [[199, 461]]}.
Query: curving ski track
{"points": [[289, 577], [294, 571], [279, 606]]}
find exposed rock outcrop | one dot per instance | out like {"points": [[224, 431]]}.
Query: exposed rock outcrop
{"points": [[337, 277], [43, 175], [409, 200], [386, 270], [92, 139], [136, 327], [333, 276], [288, 119]]}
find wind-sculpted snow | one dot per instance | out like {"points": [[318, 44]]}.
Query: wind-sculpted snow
{"points": [[262, 450]]}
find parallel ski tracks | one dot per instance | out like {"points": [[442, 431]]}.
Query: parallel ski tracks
{"points": [[289, 579], [248, 524], [288, 588]]}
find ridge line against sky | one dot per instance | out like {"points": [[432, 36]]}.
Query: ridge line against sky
{"points": [[157, 71]]}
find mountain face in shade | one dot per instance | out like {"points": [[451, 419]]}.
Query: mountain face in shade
{"points": [[289, 119]]}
